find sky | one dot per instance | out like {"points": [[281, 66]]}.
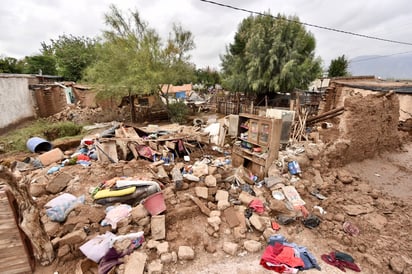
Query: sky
{"points": [[24, 24]]}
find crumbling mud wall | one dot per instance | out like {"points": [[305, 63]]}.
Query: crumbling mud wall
{"points": [[368, 126]]}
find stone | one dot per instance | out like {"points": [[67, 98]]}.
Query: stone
{"points": [[144, 221], [257, 222], [63, 250], [185, 253], [210, 230], [252, 246], [339, 217], [397, 264], [355, 210], [215, 213], [158, 227], [222, 205], [210, 181], [222, 195], [317, 179], [246, 198], [152, 244], [239, 233], [166, 258], [268, 232], [230, 248], [214, 222], [58, 183], [273, 180], [51, 156], [201, 192], [162, 248], [74, 237], [155, 267], [37, 189], [139, 212], [135, 263], [174, 256], [344, 176], [52, 228], [212, 170], [231, 217]]}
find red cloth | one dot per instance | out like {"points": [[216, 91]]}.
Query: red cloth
{"points": [[282, 257], [257, 206], [82, 157]]}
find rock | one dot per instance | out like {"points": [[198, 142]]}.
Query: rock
{"points": [[317, 179], [397, 264], [158, 227], [152, 244], [212, 170], [274, 180], [222, 195], [344, 176], [252, 246], [63, 250], [139, 212], [355, 210], [376, 220], [278, 206], [185, 253], [166, 258], [231, 217], [37, 189], [312, 151], [135, 263], [155, 267], [162, 248], [51, 228], [339, 217], [201, 192], [210, 181], [222, 205], [209, 246], [215, 213], [59, 183], [257, 223], [74, 237], [246, 198], [268, 232], [239, 233], [230, 248], [214, 222], [144, 221]]}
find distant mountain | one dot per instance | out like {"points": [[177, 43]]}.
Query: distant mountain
{"points": [[386, 67]]}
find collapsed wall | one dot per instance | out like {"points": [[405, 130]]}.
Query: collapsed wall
{"points": [[368, 126]]}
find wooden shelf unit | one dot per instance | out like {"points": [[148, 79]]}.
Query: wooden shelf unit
{"points": [[260, 142]]}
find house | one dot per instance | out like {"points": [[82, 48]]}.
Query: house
{"points": [[343, 87], [177, 92]]}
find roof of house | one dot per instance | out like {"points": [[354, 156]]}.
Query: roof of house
{"points": [[174, 89], [375, 84]]}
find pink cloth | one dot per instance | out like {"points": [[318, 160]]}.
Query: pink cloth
{"points": [[281, 259], [257, 206]]}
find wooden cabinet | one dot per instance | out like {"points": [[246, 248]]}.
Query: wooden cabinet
{"points": [[257, 144]]}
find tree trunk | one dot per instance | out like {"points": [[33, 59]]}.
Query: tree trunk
{"points": [[29, 215], [132, 107]]}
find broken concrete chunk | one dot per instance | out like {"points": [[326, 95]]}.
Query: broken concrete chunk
{"points": [[344, 176], [166, 258], [355, 210], [230, 248], [139, 212], [210, 181], [239, 233], [162, 248], [185, 253], [257, 222], [252, 246], [58, 183], [231, 217], [158, 227], [222, 205], [246, 198], [201, 192], [135, 263], [51, 156], [397, 264], [74, 237], [215, 213], [222, 195], [155, 267], [152, 244], [214, 222]]}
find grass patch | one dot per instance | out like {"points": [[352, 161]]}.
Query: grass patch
{"points": [[178, 112], [16, 140]]}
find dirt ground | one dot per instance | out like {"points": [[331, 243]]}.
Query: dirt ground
{"points": [[374, 195]]}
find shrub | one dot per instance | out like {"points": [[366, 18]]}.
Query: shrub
{"points": [[178, 112]]}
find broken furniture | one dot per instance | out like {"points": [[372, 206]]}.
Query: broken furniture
{"points": [[257, 144]]}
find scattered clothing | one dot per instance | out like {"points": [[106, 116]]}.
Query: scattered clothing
{"points": [[341, 260], [284, 257], [311, 221], [257, 206], [116, 213], [350, 228], [59, 211]]}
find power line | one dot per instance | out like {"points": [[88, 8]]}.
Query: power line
{"points": [[308, 24], [380, 56]]}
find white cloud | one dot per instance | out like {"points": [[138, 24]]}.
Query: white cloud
{"points": [[25, 24]]}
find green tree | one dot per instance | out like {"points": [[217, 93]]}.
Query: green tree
{"points": [[270, 55], [37, 64], [207, 76], [72, 53], [338, 67], [132, 61], [10, 65]]}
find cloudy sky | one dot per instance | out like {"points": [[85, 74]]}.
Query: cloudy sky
{"points": [[24, 24]]}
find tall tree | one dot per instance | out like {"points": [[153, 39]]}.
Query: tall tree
{"points": [[207, 76], [40, 64], [72, 53], [270, 55], [338, 67], [10, 65], [131, 60]]}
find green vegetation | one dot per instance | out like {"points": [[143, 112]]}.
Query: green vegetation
{"points": [[16, 139], [270, 54], [178, 112], [338, 67]]}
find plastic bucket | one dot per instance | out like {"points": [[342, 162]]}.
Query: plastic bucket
{"points": [[37, 144], [155, 203]]}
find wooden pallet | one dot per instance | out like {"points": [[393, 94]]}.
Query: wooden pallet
{"points": [[16, 255]]}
